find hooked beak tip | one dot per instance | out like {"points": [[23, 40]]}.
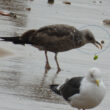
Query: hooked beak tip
{"points": [[98, 45]]}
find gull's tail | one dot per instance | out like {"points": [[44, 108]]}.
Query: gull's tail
{"points": [[15, 40], [24, 39], [55, 89]]}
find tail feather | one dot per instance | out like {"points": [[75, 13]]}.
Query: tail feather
{"points": [[54, 88], [15, 40], [23, 39]]}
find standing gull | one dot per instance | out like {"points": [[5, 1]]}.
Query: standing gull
{"points": [[82, 92], [55, 38]]}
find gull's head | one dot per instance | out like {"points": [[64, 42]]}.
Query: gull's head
{"points": [[89, 38], [94, 76]]}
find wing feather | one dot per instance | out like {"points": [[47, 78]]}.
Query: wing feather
{"points": [[71, 87]]}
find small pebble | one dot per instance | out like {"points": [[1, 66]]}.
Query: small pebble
{"points": [[106, 21], [13, 15], [51, 2], [100, 1], [67, 2], [102, 42], [28, 9], [4, 13]]}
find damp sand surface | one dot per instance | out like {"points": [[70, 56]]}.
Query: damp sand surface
{"points": [[23, 82]]}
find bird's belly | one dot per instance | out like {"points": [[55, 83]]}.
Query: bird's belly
{"points": [[89, 99], [59, 47], [84, 103], [54, 48]]}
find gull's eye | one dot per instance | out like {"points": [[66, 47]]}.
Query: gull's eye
{"points": [[92, 76], [89, 37]]}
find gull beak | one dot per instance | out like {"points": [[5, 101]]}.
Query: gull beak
{"points": [[98, 45], [97, 82]]}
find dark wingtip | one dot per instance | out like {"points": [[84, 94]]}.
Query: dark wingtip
{"points": [[54, 88], [1, 38], [4, 38]]}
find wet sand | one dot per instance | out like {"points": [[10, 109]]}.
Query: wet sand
{"points": [[4, 53], [23, 82]]}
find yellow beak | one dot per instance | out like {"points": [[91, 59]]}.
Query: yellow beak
{"points": [[97, 82]]}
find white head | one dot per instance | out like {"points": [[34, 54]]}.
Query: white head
{"points": [[94, 76]]}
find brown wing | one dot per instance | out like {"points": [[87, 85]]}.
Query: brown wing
{"points": [[58, 30], [54, 37]]}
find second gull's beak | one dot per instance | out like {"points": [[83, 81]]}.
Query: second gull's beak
{"points": [[97, 82]]}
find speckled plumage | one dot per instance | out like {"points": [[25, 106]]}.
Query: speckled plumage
{"points": [[55, 38]]}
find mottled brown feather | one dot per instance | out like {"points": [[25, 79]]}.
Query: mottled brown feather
{"points": [[56, 38]]}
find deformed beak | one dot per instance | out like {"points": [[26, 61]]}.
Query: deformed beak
{"points": [[97, 82], [98, 45]]}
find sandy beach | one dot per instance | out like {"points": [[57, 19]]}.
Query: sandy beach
{"points": [[23, 82]]}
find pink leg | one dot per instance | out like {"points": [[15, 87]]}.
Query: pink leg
{"points": [[47, 66], [58, 67]]}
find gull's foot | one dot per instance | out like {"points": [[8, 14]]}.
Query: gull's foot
{"points": [[47, 68], [58, 70]]}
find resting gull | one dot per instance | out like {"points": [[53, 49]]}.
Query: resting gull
{"points": [[55, 38], [82, 92]]}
